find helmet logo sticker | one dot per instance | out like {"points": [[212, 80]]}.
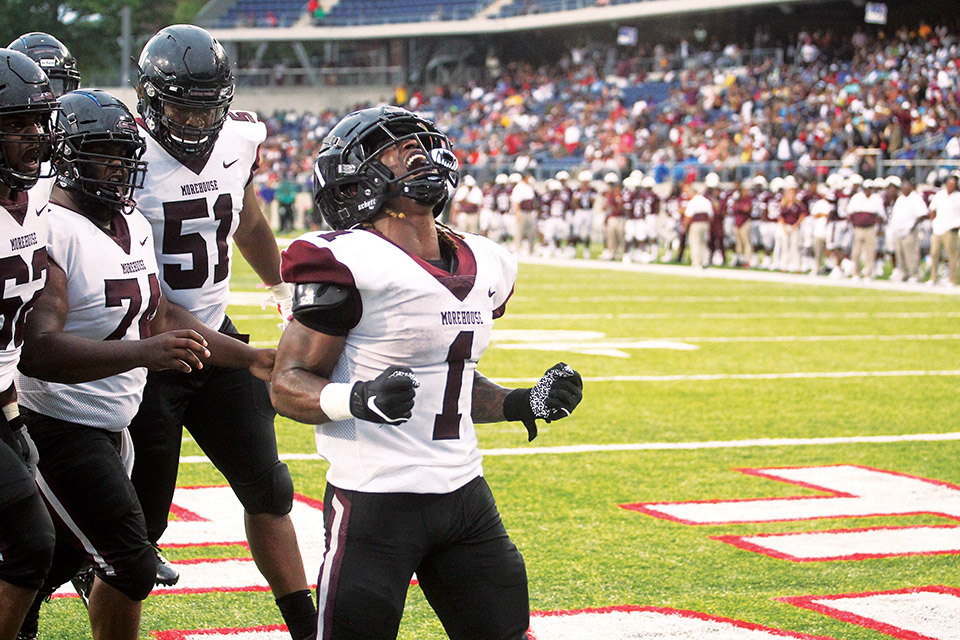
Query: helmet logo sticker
{"points": [[369, 204], [346, 169]]}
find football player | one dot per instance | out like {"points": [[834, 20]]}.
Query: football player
{"points": [[99, 323], [54, 59], [391, 313], [199, 199], [27, 108], [584, 198]]}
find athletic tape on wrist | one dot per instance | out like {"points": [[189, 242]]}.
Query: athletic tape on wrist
{"points": [[11, 411], [335, 401]]}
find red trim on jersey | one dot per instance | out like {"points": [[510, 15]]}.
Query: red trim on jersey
{"points": [[17, 207], [254, 168], [304, 262], [460, 283], [499, 311], [119, 232]]}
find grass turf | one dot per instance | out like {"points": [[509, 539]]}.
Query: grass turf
{"points": [[563, 510]]}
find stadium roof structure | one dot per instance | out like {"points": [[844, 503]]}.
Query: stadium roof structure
{"points": [[478, 26]]}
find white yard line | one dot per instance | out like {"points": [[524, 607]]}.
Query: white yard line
{"points": [[745, 274], [674, 446], [798, 315], [753, 376]]}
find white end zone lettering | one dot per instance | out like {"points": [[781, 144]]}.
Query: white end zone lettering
{"points": [[630, 622], [270, 632], [212, 516], [626, 622], [921, 613], [852, 491], [851, 544]]}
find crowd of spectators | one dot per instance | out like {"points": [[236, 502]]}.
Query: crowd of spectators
{"points": [[858, 104], [823, 102]]}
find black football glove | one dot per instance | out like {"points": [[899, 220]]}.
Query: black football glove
{"points": [[387, 399], [14, 433], [555, 396]]}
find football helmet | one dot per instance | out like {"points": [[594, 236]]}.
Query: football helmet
{"points": [[24, 91], [185, 89], [90, 121], [53, 58], [351, 184]]}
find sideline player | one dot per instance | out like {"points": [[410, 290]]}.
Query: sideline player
{"points": [[27, 107], [198, 196], [53, 58], [99, 323], [392, 312]]}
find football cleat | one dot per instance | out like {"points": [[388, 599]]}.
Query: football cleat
{"points": [[167, 574]]}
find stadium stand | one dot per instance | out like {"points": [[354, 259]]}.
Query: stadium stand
{"points": [[262, 13], [363, 12]]}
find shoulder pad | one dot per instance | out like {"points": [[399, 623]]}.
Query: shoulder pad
{"points": [[317, 296]]}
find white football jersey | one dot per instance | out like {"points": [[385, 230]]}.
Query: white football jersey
{"points": [[194, 211], [414, 315], [112, 293], [23, 272]]}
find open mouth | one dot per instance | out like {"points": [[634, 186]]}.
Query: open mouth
{"points": [[415, 159], [31, 156]]}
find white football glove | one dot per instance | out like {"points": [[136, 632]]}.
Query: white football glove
{"points": [[280, 298]]}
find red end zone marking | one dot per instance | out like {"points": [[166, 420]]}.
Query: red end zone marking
{"points": [[816, 603], [667, 613], [661, 509], [747, 543], [185, 515], [681, 613], [183, 634]]}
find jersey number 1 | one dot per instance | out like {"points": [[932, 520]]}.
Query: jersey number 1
{"points": [[446, 425]]}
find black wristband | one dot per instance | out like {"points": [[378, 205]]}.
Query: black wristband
{"points": [[516, 408]]}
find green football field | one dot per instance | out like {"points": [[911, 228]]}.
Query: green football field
{"points": [[699, 374]]}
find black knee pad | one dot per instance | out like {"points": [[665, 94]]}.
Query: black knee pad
{"points": [[271, 493], [134, 574], [27, 539]]}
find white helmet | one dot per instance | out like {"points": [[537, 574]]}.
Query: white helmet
{"points": [[649, 182], [469, 181], [855, 179], [501, 178], [869, 184], [554, 184], [630, 182], [712, 181], [515, 178], [562, 175], [790, 183], [776, 184], [611, 178], [585, 176], [894, 181], [834, 181], [760, 181], [637, 174]]}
